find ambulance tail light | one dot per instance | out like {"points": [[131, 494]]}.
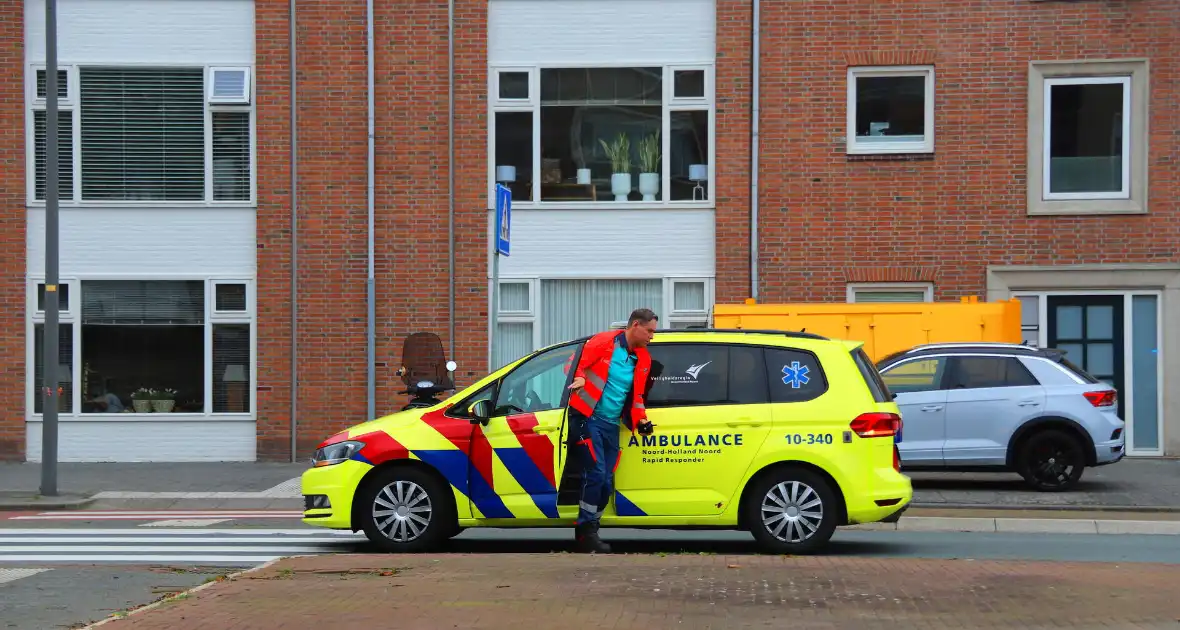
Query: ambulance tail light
{"points": [[877, 424]]}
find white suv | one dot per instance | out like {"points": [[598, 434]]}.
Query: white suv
{"points": [[1002, 407]]}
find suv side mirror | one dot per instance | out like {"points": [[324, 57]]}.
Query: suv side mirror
{"points": [[481, 411]]}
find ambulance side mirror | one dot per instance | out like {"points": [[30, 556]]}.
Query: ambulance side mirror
{"points": [[481, 411]]}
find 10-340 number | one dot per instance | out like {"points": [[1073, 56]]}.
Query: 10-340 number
{"points": [[809, 438]]}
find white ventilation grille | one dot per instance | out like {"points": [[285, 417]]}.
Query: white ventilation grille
{"points": [[229, 85]]}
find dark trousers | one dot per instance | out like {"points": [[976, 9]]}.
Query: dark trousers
{"points": [[599, 448]]}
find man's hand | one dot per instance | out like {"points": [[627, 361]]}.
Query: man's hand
{"points": [[578, 383], [646, 427]]}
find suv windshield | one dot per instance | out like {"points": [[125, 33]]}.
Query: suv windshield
{"points": [[871, 376]]}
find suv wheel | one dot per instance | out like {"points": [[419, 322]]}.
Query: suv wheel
{"points": [[405, 510], [1051, 461], [792, 510]]}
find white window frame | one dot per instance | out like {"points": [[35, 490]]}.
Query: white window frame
{"points": [[926, 145], [515, 317], [533, 315], [692, 317], [927, 289], [1133, 74], [73, 108], [1046, 161], [533, 105], [67, 107], [74, 318], [245, 99]]}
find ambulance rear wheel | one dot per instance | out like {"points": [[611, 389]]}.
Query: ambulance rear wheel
{"points": [[406, 510], [791, 511]]}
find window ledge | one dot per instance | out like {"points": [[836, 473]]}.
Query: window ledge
{"points": [[147, 205], [612, 205], [146, 417], [908, 156], [1058, 207]]}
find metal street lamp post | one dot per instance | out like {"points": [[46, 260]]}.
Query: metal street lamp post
{"points": [[50, 350]]}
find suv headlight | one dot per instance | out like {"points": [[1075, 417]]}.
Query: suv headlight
{"points": [[336, 453]]}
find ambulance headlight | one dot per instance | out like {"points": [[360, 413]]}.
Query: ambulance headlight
{"points": [[336, 453]]}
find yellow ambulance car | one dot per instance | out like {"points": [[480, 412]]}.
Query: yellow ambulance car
{"points": [[785, 435]]}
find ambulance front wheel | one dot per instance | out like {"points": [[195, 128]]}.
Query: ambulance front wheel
{"points": [[406, 510]]}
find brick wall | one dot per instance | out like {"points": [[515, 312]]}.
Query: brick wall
{"points": [[12, 231], [827, 219], [734, 89], [411, 205]]}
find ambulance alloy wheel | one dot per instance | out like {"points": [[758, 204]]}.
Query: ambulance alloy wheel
{"points": [[791, 510], [405, 510]]}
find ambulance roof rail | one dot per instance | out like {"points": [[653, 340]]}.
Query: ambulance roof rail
{"points": [[801, 334]]}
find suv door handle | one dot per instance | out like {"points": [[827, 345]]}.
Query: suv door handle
{"points": [[1028, 403], [932, 408]]}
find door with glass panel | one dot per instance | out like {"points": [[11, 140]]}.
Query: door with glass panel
{"points": [[1090, 329]]}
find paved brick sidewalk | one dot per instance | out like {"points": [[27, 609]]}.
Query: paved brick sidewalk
{"points": [[541, 591]]}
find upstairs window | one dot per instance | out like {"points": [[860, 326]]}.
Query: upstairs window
{"points": [[576, 136], [143, 134]]}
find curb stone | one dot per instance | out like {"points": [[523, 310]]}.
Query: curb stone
{"points": [[189, 592], [1047, 507], [14, 501], [1023, 525]]}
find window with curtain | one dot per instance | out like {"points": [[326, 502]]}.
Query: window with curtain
{"points": [[575, 308], [143, 334]]}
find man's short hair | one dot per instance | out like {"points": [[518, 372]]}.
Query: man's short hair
{"points": [[642, 316]]}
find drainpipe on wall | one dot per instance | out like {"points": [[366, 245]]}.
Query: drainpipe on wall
{"points": [[451, 175], [371, 281], [754, 148], [294, 236]]}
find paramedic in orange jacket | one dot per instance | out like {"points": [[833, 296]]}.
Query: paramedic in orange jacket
{"points": [[609, 386]]}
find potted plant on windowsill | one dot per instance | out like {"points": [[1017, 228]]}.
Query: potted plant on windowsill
{"points": [[164, 400], [649, 166], [142, 399], [619, 153]]}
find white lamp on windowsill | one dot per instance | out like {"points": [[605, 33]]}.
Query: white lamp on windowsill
{"points": [[505, 173], [698, 173]]}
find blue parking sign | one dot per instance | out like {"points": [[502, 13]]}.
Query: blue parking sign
{"points": [[503, 219]]}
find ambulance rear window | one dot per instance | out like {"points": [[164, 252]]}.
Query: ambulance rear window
{"points": [[871, 376]]}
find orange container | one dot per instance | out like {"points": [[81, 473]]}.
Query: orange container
{"points": [[883, 327]]}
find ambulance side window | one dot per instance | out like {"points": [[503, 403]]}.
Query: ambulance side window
{"points": [[538, 384], [695, 374], [795, 375]]}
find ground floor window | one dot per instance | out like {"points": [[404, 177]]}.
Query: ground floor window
{"points": [[153, 346], [537, 312], [891, 292]]}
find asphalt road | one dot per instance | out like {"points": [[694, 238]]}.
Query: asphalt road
{"points": [[69, 595]]}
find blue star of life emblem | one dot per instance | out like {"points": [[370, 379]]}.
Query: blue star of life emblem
{"points": [[795, 375]]}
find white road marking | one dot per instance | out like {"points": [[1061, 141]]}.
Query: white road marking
{"points": [[189, 546], [289, 489], [12, 575], [186, 522], [143, 515]]}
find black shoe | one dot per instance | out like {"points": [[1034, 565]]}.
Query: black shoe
{"points": [[586, 537]]}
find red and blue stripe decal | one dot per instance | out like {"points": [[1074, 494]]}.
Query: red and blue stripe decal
{"points": [[624, 506], [531, 464]]}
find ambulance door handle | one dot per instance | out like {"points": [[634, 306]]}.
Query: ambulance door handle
{"points": [[744, 422], [544, 428]]}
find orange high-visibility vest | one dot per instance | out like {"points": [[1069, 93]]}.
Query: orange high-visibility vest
{"points": [[594, 366]]}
